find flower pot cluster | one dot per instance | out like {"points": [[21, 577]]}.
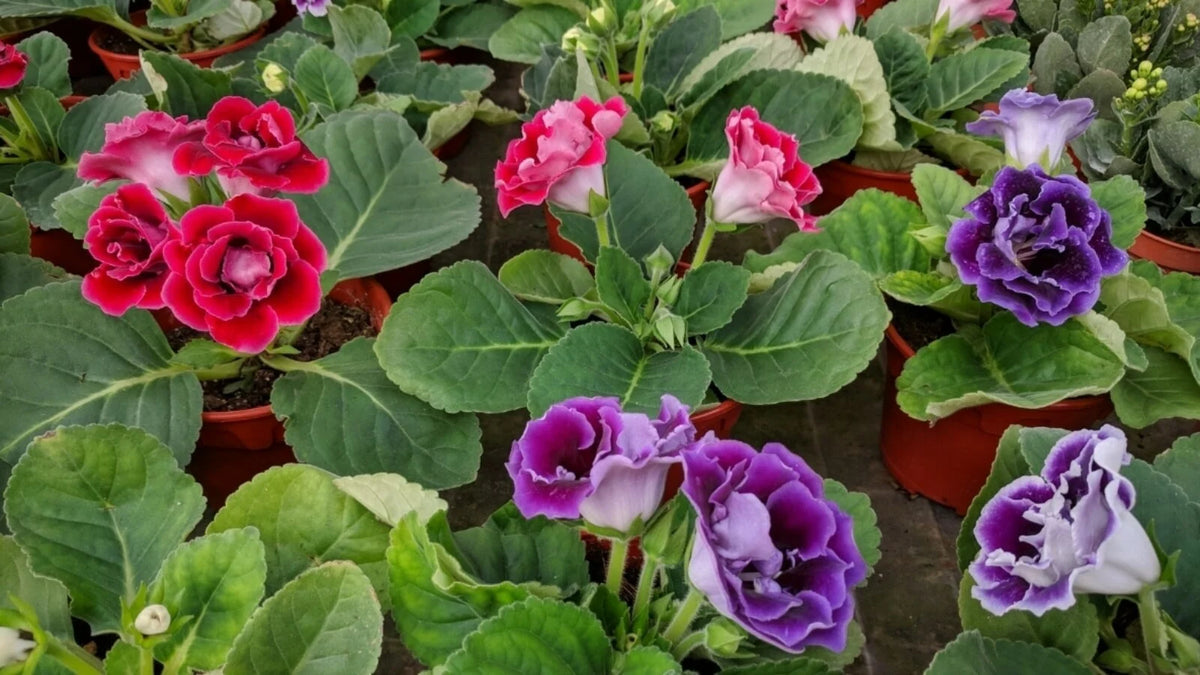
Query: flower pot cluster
{"points": [[231, 290]]}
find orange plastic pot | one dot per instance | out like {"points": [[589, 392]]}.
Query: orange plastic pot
{"points": [[235, 446], [122, 66], [60, 248], [697, 193], [949, 461], [1170, 256], [840, 180]]}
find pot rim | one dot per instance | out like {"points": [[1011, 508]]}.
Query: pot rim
{"points": [[94, 44], [1160, 240]]}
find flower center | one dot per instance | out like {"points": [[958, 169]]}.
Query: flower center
{"points": [[243, 267], [250, 142]]}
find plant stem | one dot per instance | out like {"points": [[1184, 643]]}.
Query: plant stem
{"points": [[611, 68], [71, 656], [602, 230], [645, 587], [26, 127], [616, 565], [145, 661], [687, 645], [224, 371], [1153, 634], [639, 61], [284, 364], [706, 240], [683, 616]]}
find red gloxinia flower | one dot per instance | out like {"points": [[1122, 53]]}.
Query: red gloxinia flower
{"points": [[559, 155], [764, 177], [12, 66], [126, 235], [254, 150], [140, 149], [242, 270]]}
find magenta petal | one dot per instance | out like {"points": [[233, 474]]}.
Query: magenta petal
{"points": [[113, 296], [248, 334]]}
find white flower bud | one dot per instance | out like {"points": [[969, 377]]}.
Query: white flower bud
{"points": [[12, 648], [274, 78], [153, 620]]}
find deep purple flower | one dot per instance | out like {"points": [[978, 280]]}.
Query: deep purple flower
{"points": [[1035, 128], [1036, 245], [771, 553], [314, 7], [586, 459], [1070, 530]]}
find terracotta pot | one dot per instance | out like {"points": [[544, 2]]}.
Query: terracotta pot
{"points": [[398, 281], [61, 248], [868, 7], [1170, 256], [235, 446], [121, 66], [949, 461], [698, 193], [443, 55], [840, 180]]}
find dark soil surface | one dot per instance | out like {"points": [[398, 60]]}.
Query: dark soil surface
{"points": [[115, 41], [919, 325], [333, 326]]}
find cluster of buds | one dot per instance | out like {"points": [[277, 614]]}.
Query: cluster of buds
{"points": [[1190, 22], [1145, 81]]}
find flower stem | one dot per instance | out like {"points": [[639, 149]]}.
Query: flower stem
{"points": [[602, 230], [645, 586], [73, 657], [1153, 634], [706, 240], [26, 127], [639, 60], [683, 616], [611, 68], [616, 565], [224, 371], [687, 645]]}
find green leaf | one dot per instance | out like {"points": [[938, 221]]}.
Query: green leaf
{"points": [[218, 581], [1125, 202], [123, 659], [19, 8], [191, 90], [1102, 86], [942, 194], [434, 602], [361, 36], [1181, 463], [734, 60], [968, 152], [737, 16], [1106, 44], [959, 80], [790, 666], [905, 68], [471, 25], [972, 654], [601, 359], [680, 47], [622, 286], [429, 82], [100, 508], [47, 68], [460, 341], [544, 276], [373, 426], [19, 273], [112, 369], [902, 14], [82, 129], [194, 12], [1141, 309], [412, 18], [857, 505], [14, 227], [1177, 167], [325, 79], [853, 60], [647, 661], [45, 112], [666, 539], [1055, 69], [36, 187], [796, 341], [920, 288], [391, 497], [520, 39], [872, 228], [47, 596], [822, 112], [330, 526], [1073, 631], [386, 204], [327, 621], [1166, 388], [75, 207], [536, 636], [509, 547], [710, 294], [1006, 362]]}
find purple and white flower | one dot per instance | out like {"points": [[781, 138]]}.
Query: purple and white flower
{"points": [[585, 458], [1035, 244], [314, 7], [1070, 530], [1035, 128], [771, 552]]}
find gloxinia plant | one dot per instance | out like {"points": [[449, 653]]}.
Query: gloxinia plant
{"points": [[117, 555], [432, 23], [821, 20], [756, 562], [169, 25], [235, 231], [1032, 299], [1077, 557], [467, 340]]}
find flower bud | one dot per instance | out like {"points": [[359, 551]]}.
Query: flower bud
{"points": [[275, 78], [12, 648], [1144, 68], [663, 121], [658, 11], [153, 620], [602, 21], [1140, 83]]}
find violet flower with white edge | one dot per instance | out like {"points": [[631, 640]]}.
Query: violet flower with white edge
{"points": [[314, 7], [1071, 530], [585, 458], [1035, 128]]}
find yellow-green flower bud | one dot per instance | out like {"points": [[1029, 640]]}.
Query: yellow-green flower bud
{"points": [[1131, 93], [1144, 68], [1156, 73], [275, 78], [602, 21], [1140, 83], [1161, 85]]}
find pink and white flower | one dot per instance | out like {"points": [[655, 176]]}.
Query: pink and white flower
{"points": [[140, 149], [822, 20]]}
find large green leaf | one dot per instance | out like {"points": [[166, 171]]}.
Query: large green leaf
{"points": [[461, 341], [386, 204], [342, 414], [646, 660], [622, 286], [361, 36], [872, 228], [964, 78], [390, 497], [1125, 202], [973, 654], [325, 79], [737, 16], [429, 82], [510, 547], [1181, 463], [539, 275], [905, 68], [304, 521], [679, 48], [902, 14], [190, 90], [434, 602], [520, 39], [82, 129], [1140, 307], [1055, 69], [736, 58], [710, 294], [536, 636], [218, 581], [48, 56], [67, 362], [90, 8], [470, 25], [647, 209], [942, 194], [1073, 631], [1006, 362], [601, 359], [37, 185], [823, 113], [857, 505], [14, 227], [100, 508], [19, 273], [797, 341], [47, 597], [1106, 44], [1165, 388], [327, 621], [853, 60]]}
